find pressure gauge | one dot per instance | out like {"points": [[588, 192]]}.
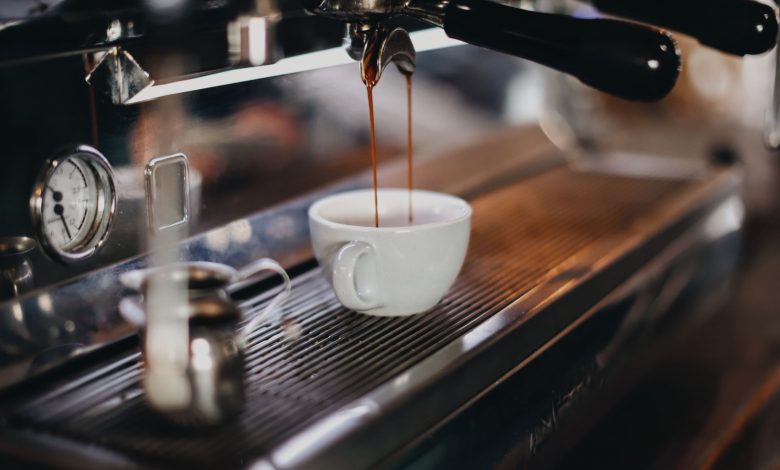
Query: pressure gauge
{"points": [[73, 203]]}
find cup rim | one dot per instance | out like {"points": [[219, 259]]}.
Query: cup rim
{"points": [[315, 207]]}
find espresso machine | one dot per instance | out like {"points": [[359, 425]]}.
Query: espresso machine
{"points": [[149, 133]]}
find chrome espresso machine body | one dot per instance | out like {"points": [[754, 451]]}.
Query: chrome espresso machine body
{"points": [[153, 132]]}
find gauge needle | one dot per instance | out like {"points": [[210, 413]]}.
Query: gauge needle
{"points": [[59, 210]]}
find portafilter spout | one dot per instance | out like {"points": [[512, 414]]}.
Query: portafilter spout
{"points": [[376, 47]]}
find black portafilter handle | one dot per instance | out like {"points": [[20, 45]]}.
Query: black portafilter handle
{"points": [[620, 58], [738, 27]]}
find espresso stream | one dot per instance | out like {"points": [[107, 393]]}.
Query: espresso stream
{"points": [[371, 82], [409, 167], [370, 91]]}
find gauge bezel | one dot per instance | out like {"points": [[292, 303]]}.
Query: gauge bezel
{"points": [[106, 206]]}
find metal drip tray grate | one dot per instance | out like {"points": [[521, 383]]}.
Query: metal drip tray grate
{"points": [[520, 234]]}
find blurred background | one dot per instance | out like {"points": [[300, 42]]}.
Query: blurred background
{"points": [[711, 398]]}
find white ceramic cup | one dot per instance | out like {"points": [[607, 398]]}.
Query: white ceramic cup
{"points": [[399, 268]]}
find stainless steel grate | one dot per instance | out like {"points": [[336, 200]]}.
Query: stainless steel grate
{"points": [[520, 234]]}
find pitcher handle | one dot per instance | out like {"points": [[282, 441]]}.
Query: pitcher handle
{"points": [[264, 264]]}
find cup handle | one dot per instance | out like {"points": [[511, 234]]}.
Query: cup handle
{"points": [[264, 264], [344, 277]]}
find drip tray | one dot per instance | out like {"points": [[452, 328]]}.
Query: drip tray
{"points": [[523, 236]]}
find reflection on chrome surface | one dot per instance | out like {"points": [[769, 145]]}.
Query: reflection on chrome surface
{"points": [[193, 357], [207, 388], [16, 272]]}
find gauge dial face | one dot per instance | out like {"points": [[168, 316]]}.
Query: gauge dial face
{"points": [[73, 204], [69, 204]]}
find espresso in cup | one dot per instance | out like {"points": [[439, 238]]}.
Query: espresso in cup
{"points": [[400, 268]]}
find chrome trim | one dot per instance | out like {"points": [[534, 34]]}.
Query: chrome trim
{"points": [[106, 204], [153, 198], [252, 36], [425, 40], [381, 48], [16, 270], [358, 10], [430, 11], [118, 75]]}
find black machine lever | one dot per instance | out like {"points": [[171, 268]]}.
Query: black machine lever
{"points": [[621, 58], [738, 27]]}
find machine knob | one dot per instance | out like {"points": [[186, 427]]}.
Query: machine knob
{"points": [[625, 59], [738, 27]]}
